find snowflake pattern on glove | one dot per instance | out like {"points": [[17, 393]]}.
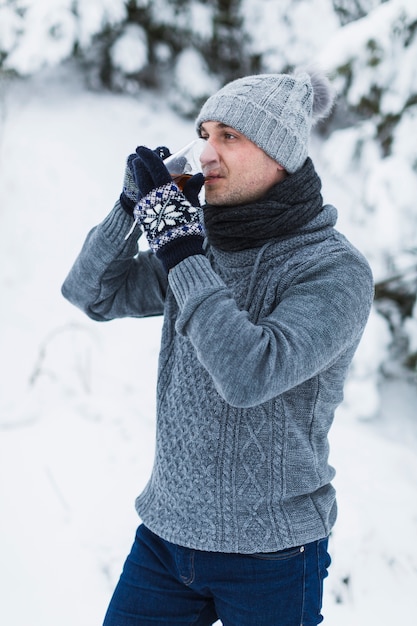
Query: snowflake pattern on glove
{"points": [[165, 214]]}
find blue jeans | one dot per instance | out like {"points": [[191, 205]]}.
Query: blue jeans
{"points": [[163, 584]]}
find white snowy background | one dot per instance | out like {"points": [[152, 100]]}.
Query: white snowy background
{"points": [[77, 397]]}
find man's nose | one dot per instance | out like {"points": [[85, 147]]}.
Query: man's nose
{"points": [[208, 155]]}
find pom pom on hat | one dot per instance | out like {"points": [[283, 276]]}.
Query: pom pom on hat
{"points": [[274, 111], [323, 94]]}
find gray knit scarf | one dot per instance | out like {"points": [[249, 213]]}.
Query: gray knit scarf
{"points": [[287, 207]]}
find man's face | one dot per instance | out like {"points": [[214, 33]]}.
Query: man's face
{"points": [[236, 171]]}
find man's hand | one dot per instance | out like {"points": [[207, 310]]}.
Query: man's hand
{"points": [[170, 221], [131, 192]]}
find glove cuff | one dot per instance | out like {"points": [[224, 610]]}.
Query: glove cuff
{"points": [[179, 249], [127, 204]]}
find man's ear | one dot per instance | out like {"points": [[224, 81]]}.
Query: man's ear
{"points": [[281, 172]]}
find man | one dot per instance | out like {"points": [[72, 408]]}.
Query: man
{"points": [[264, 305]]}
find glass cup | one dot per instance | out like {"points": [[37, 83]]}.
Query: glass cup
{"points": [[182, 165]]}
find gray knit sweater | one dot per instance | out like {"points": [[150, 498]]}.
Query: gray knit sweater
{"points": [[255, 350]]}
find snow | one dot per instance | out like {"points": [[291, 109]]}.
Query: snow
{"points": [[77, 398], [93, 15], [376, 46], [190, 63], [129, 52], [39, 33], [54, 28], [282, 31]]}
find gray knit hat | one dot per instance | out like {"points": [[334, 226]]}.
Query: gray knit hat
{"points": [[275, 111]]}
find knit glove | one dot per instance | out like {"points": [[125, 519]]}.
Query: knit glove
{"points": [[129, 195], [131, 191], [169, 217]]}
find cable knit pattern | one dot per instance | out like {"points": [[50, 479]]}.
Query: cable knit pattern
{"points": [[255, 349]]}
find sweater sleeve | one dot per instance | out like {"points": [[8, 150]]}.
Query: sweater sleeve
{"points": [[110, 278], [320, 316]]}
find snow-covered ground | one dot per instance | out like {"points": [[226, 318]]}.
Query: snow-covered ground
{"points": [[77, 397]]}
